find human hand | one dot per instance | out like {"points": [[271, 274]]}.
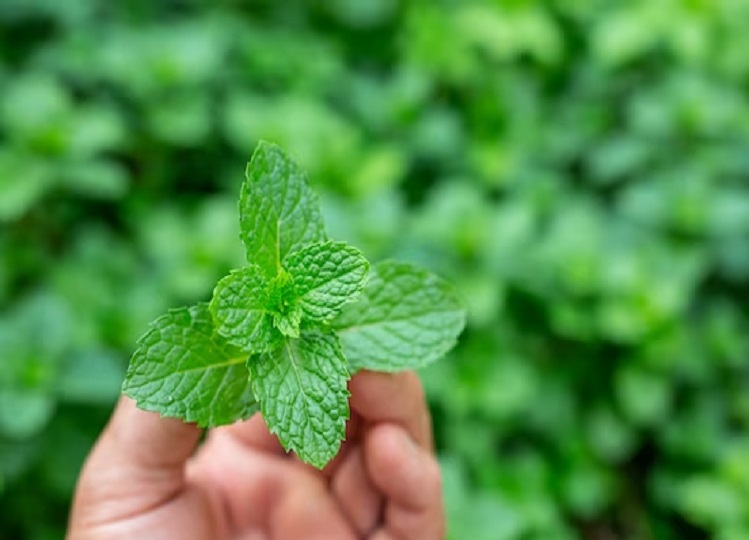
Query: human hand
{"points": [[145, 479]]}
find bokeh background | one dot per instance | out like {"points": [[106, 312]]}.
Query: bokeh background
{"points": [[579, 168]]}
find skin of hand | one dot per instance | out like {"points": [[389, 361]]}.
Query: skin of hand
{"points": [[147, 477]]}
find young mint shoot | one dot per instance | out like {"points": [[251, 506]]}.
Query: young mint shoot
{"points": [[284, 334]]}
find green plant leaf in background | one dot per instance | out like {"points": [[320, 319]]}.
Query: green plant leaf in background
{"points": [[24, 413]]}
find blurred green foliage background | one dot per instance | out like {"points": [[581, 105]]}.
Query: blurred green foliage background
{"points": [[579, 168]]}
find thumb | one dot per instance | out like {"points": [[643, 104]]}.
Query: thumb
{"points": [[137, 464]]}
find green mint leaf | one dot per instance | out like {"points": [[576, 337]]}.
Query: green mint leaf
{"points": [[289, 323], [278, 212], [283, 304], [303, 396], [405, 318], [326, 276], [182, 368], [240, 308]]}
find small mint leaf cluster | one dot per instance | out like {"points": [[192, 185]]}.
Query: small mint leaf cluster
{"points": [[283, 334], [256, 310]]}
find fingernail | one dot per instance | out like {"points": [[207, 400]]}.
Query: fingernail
{"points": [[409, 445]]}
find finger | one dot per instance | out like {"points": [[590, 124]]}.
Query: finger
{"points": [[146, 441], [308, 511], [266, 494], [392, 397], [359, 499], [247, 482], [253, 535], [138, 463], [409, 477], [252, 433]]}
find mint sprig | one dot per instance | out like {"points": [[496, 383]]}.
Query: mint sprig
{"points": [[284, 333]]}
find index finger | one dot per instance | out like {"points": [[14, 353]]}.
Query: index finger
{"points": [[137, 464], [139, 440], [395, 398]]}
